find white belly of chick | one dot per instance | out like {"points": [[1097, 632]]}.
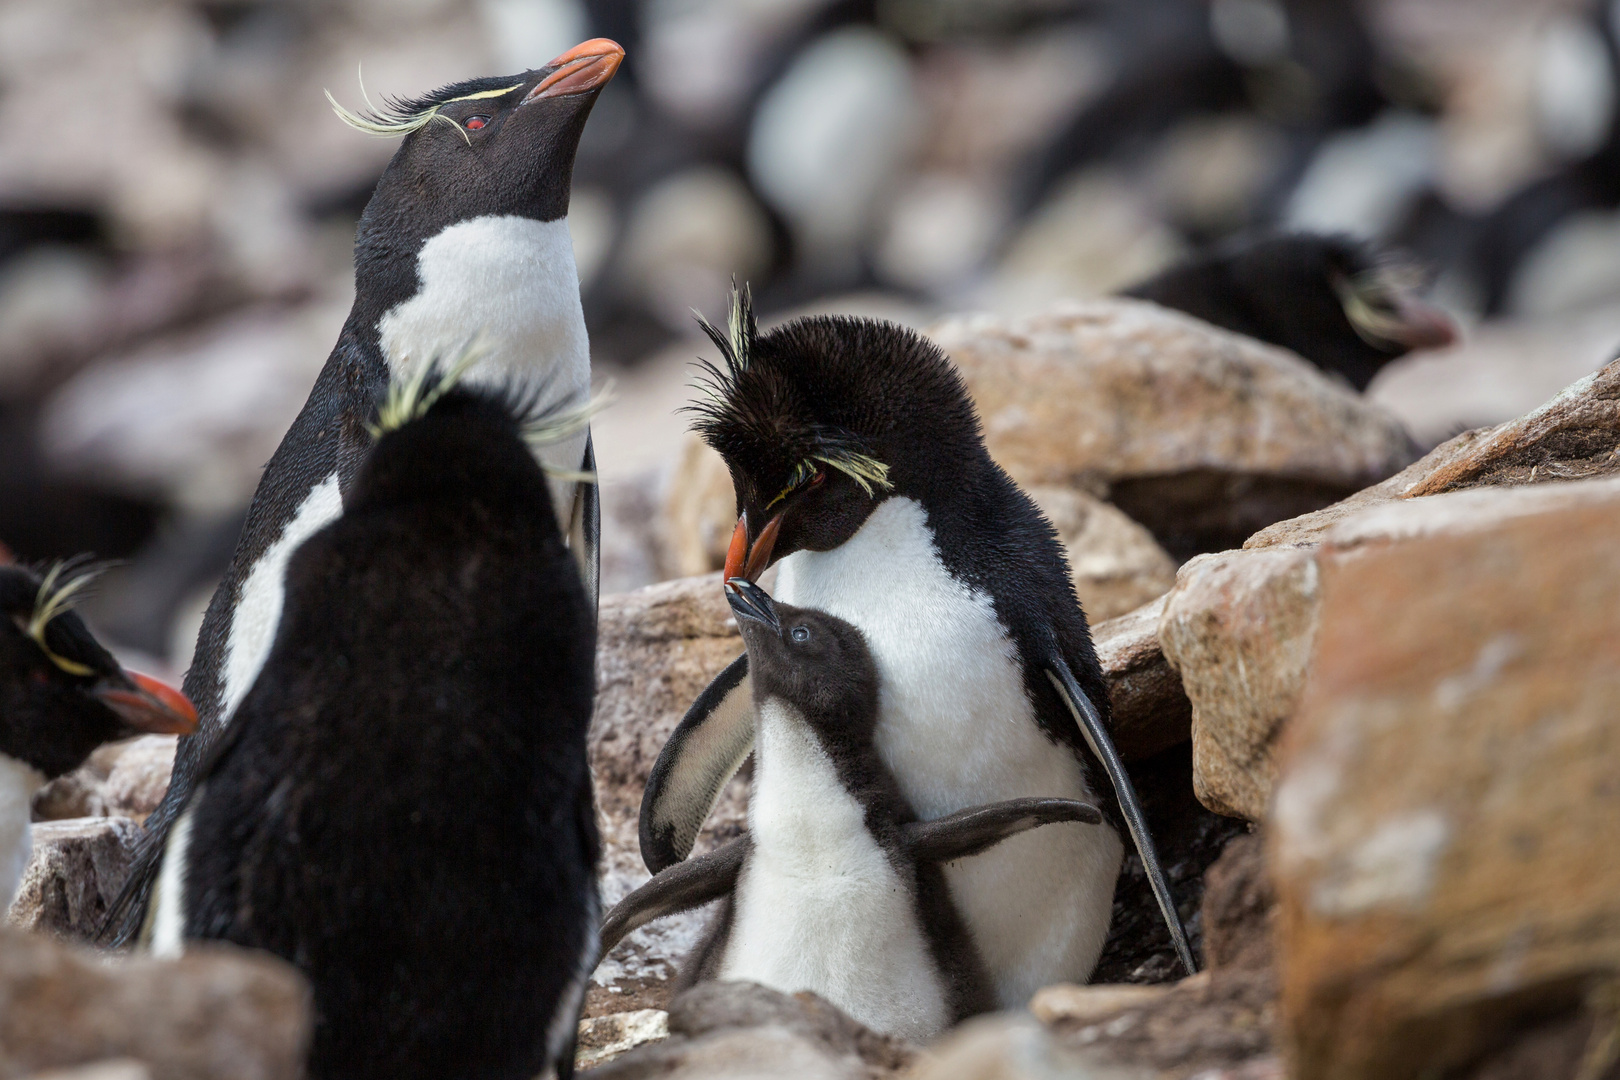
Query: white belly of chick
{"points": [[819, 905], [958, 730]]}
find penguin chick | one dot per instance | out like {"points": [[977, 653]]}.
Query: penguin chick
{"points": [[464, 241], [836, 888], [61, 696], [859, 464], [403, 806], [1331, 299]]}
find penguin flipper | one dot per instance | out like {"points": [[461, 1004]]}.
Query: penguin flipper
{"points": [[585, 530], [708, 747], [979, 828], [681, 887], [1096, 736]]}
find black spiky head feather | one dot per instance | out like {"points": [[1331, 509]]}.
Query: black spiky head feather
{"points": [[872, 407]]}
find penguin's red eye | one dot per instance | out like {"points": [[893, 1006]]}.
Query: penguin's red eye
{"points": [[818, 479], [476, 122]]}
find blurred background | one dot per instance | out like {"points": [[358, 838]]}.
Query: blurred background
{"points": [[177, 206]]}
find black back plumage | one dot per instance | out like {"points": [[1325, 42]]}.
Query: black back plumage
{"points": [[403, 805], [1290, 290], [61, 693]]}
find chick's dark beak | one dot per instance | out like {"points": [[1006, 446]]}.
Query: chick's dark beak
{"points": [[587, 66], [749, 601], [748, 561], [148, 706]]}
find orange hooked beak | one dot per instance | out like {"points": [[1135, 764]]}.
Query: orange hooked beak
{"points": [[748, 561], [1423, 325], [151, 707], [586, 66]]}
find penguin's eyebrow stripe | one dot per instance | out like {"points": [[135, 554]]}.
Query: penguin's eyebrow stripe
{"points": [[482, 94], [390, 121]]}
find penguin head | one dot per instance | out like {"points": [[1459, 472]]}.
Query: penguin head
{"points": [[62, 694], [494, 146], [816, 662], [822, 419]]}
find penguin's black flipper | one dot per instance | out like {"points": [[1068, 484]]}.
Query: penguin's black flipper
{"points": [[585, 533], [706, 750], [978, 828], [681, 887], [1091, 726]]}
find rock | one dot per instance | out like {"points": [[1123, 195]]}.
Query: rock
{"points": [[603, 1038], [1009, 1046], [74, 875], [139, 777], [1150, 710], [1240, 907], [699, 512], [1238, 627], [1068, 1003], [746, 1030], [112, 1069], [658, 648], [1201, 435], [217, 1014], [76, 794], [1115, 564], [1444, 828]]}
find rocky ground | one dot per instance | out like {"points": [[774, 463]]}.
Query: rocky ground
{"points": [[1370, 699]]}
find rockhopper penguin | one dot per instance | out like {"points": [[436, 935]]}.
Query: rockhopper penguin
{"points": [[61, 696], [1334, 300], [403, 806], [836, 888], [858, 463], [465, 240]]}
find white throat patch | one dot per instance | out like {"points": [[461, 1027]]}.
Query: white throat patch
{"points": [[18, 783], [957, 729], [819, 906], [509, 282]]}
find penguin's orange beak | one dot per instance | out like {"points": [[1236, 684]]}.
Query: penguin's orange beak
{"points": [[1422, 325], [586, 66], [748, 561], [150, 707]]}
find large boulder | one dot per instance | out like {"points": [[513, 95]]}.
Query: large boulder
{"points": [[1239, 625], [1201, 435], [124, 779], [1444, 830], [74, 875], [218, 1013]]}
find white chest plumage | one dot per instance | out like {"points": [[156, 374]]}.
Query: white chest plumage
{"points": [[819, 905], [18, 783], [957, 729]]}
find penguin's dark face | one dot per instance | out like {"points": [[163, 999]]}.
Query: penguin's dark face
{"points": [[62, 694], [487, 147], [816, 662], [821, 420]]}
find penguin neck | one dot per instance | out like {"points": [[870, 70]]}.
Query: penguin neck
{"points": [[508, 283], [18, 783]]}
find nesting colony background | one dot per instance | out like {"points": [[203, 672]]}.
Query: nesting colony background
{"points": [[177, 205]]}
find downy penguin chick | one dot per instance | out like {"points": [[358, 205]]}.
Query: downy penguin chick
{"points": [[859, 464], [403, 807], [61, 696], [836, 888], [1331, 299], [464, 241]]}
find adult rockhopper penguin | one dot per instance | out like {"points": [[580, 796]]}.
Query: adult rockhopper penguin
{"points": [[1338, 302], [402, 807], [836, 888], [61, 696], [464, 241], [858, 464]]}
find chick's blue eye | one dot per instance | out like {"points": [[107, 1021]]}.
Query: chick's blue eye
{"points": [[801, 634]]}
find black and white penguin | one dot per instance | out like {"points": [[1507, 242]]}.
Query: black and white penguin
{"points": [[464, 241], [836, 888], [858, 463], [403, 806], [1332, 299], [61, 696]]}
